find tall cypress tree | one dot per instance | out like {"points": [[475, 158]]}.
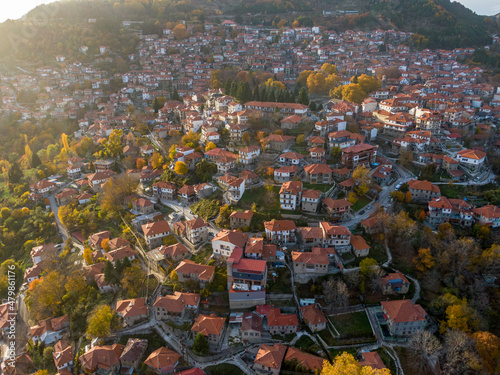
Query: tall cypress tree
{"points": [[234, 89], [15, 173], [303, 96], [227, 86]]}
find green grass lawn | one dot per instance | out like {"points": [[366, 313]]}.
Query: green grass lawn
{"points": [[355, 323], [327, 337], [223, 369], [360, 203], [304, 343], [387, 359], [282, 283], [261, 197], [452, 191]]}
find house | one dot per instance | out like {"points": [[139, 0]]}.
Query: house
{"points": [[306, 361], [335, 236], [291, 195], [394, 283], [189, 270], [175, 253], [143, 206], [291, 158], [187, 195], [404, 318], [281, 324], [248, 154], [63, 355], [337, 209], [226, 241], [362, 154], [226, 163], [471, 159], [251, 327], [121, 254], [440, 210], [314, 263], [98, 179], [42, 188], [105, 359], [250, 177], [318, 174], [102, 284], [176, 305], [195, 231], [155, 231], [164, 190], [210, 326], [291, 122], [65, 196], [488, 215], [256, 248], [314, 317], [372, 225], [423, 191], [234, 186], [49, 330], [269, 359], [132, 310], [285, 174], [317, 154], [311, 200], [280, 231], [371, 359], [95, 240], [162, 361], [277, 142], [341, 139], [133, 352], [43, 252], [246, 280], [240, 219], [359, 246]]}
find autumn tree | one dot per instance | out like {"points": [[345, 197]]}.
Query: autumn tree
{"points": [[368, 83], [329, 68], [346, 364], [157, 160], [210, 146], [181, 168], [362, 180], [191, 139], [113, 145], [180, 31], [114, 191], [223, 218], [488, 348], [336, 292], [132, 281], [301, 140], [204, 170], [424, 260], [101, 322], [425, 346], [316, 83], [460, 356]]}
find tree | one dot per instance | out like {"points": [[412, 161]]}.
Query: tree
{"points": [[336, 292], [210, 146], [200, 344], [191, 139], [368, 83], [346, 364], [408, 197], [101, 322], [180, 31], [353, 93], [303, 96], [244, 92], [426, 346], [460, 354], [488, 348], [424, 260], [110, 274], [132, 281], [223, 218], [175, 95], [362, 180], [113, 146], [246, 139], [15, 173], [35, 160], [181, 168], [204, 170], [157, 160], [329, 68], [301, 140], [316, 83]]}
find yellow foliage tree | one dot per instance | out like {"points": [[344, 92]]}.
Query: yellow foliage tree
{"points": [[424, 260], [329, 68], [181, 168], [105, 244], [87, 255], [408, 197], [346, 364], [368, 83], [353, 93], [303, 76], [488, 347], [353, 198], [157, 160], [275, 84], [180, 31], [132, 281], [210, 146], [461, 317], [100, 322], [316, 83]]}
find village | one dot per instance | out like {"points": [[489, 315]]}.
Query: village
{"points": [[254, 231]]}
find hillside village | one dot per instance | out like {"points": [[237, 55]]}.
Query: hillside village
{"points": [[216, 221]]}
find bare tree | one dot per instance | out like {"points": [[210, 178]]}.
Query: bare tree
{"points": [[425, 346], [336, 292], [460, 355]]}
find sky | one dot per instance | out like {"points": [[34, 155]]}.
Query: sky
{"points": [[15, 9]]}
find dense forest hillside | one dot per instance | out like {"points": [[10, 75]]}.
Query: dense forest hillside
{"points": [[62, 28]]}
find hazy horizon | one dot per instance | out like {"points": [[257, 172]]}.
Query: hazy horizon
{"points": [[16, 10]]}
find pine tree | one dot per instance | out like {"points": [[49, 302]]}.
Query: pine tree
{"points": [[15, 173], [256, 95], [175, 95], [156, 105], [35, 160], [271, 97], [126, 263], [234, 89], [312, 106], [227, 86], [303, 96], [263, 94], [200, 344], [109, 273]]}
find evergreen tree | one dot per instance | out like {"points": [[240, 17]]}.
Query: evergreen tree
{"points": [[126, 263], [109, 273], [244, 93], [289, 97], [279, 98], [256, 95], [175, 95], [271, 97], [35, 160], [15, 173], [312, 106], [156, 105], [227, 86], [234, 89], [263, 94], [200, 344], [303, 96], [320, 106], [296, 91]]}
